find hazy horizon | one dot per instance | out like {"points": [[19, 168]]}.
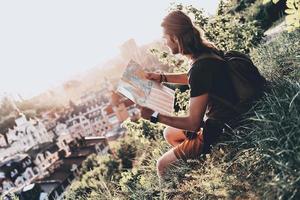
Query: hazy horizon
{"points": [[44, 43]]}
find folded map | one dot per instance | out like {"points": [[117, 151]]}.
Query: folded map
{"points": [[134, 85]]}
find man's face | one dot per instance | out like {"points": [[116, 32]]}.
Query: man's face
{"points": [[171, 43]]}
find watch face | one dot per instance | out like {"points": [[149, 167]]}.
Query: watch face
{"points": [[154, 117]]}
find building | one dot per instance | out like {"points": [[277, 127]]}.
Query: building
{"points": [[44, 157], [98, 144], [118, 110], [129, 50], [16, 172], [26, 134], [63, 141], [3, 142], [52, 166], [96, 96], [49, 119], [88, 120], [56, 182], [98, 121]]}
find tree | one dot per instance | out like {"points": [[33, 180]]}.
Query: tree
{"points": [[127, 153], [226, 31], [293, 13], [90, 163], [6, 107]]}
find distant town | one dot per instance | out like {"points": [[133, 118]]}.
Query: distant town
{"points": [[42, 155]]}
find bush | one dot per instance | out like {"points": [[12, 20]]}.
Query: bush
{"points": [[226, 31], [89, 163], [279, 58], [230, 33], [264, 14], [144, 129], [257, 160], [269, 142]]}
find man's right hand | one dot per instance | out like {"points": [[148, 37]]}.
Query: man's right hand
{"points": [[153, 76]]}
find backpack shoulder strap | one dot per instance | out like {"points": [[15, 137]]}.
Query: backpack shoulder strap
{"points": [[235, 55], [212, 56]]}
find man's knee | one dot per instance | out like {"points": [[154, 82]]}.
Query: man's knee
{"points": [[168, 133]]}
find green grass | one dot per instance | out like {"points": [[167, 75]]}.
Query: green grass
{"points": [[260, 159], [280, 58]]}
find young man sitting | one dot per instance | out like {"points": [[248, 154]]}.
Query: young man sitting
{"points": [[207, 77]]}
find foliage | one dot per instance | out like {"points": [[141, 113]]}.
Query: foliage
{"points": [[283, 56], [90, 163], [7, 123], [257, 160], [226, 31], [182, 101], [6, 107], [99, 174], [293, 13], [176, 64], [126, 152], [10, 196], [108, 166], [268, 143], [144, 129]]}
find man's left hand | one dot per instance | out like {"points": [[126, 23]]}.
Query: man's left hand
{"points": [[146, 112]]}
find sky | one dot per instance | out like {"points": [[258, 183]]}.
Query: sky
{"points": [[44, 43]]}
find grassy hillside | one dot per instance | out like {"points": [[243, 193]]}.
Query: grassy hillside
{"points": [[260, 159]]}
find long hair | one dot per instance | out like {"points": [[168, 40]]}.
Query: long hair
{"points": [[191, 40]]}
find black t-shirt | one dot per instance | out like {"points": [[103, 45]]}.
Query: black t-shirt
{"points": [[211, 76]]}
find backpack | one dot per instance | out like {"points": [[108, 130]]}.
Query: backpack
{"points": [[247, 82]]}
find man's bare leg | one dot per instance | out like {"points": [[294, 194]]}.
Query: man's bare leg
{"points": [[164, 161], [174, 136]]}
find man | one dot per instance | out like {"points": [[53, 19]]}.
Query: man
{"points": [[208, 78]]}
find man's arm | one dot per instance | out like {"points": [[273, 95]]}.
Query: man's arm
{"points": [[177, 78], [192, 122], [170, 78]]}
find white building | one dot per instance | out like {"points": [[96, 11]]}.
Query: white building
{"points": [[88, 120], [24, 136], [45, 157], [98, 121], [130, 50], [61, 128], [63, 141], [2, 141]]}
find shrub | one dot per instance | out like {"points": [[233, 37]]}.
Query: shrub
{"points": [[226, 31], [257, 160], [229, 33], [144, 129], [279, 58], [271, 138]]}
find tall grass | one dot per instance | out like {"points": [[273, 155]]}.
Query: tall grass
{"points": [[279, 58], [260, 159], [269, 143]]}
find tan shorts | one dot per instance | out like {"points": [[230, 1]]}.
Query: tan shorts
{"points": [[190, 148], [193, 147]]}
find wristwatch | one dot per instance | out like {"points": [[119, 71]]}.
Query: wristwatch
{"points": [[154, 117]]}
